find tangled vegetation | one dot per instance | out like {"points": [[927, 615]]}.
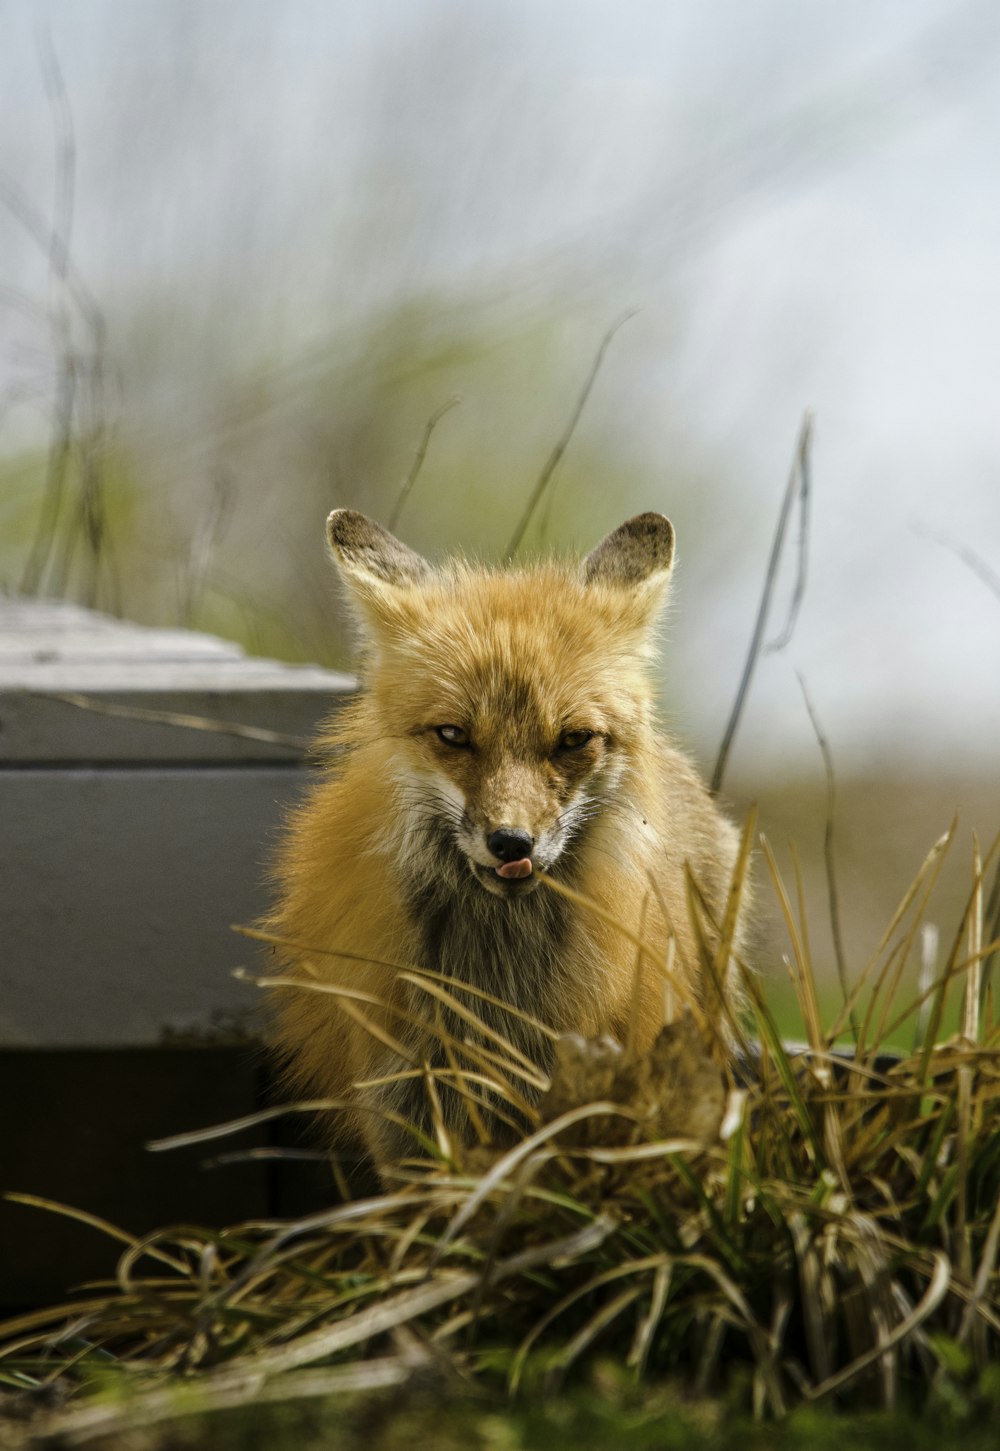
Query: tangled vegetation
{"points": [[834, 1237]]}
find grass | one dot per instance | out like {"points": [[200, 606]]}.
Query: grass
{"points": [[597, 1416], [827, 1237]]}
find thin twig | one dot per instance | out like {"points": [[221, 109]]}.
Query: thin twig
{"points": [[828, 851], [60, 236], [181, 719], [56, 244], [418, 459], [800, 470], [929, 939], [992, 930], [988, 576], [60, 445], [207, 537], [971, 1015], [90, 518], [23, 211], [20, 302], [983, 571], [552, 462], [74, 452], [803, 495]]}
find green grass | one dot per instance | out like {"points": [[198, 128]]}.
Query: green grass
{"points": [[599, 1416]]}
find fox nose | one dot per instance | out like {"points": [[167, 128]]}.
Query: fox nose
{"points": [[510, 844]]}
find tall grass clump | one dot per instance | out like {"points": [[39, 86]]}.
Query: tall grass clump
{"points": [[780, 1227]]}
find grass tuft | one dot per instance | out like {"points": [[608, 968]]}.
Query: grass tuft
{"points": [[831, 1235]]}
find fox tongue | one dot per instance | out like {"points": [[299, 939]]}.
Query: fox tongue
{"points": [[511, 870]]}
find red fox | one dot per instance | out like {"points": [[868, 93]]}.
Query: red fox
{"points": [[504, 736]]}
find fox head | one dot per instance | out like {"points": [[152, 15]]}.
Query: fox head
{"points": [[510, 703]]}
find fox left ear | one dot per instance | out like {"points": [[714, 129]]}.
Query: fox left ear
{"points": [[639, 552], [369, 554], [375, 566]]}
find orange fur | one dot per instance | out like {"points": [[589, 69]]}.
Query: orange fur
{"points": [[540, 676]]}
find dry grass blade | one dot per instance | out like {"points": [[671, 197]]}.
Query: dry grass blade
{"points": [[351, 1000], [816, 1294], [973, 1001], [936, 1291], [828, 851], [93, 1221], [925, 881], [954, 967], [236, 1125], [992, 929], [399, 1310], [656, 1263], [183, 721], [423, 973], [986, 1272], [797, 483], [800, 966], [552, 462], [675, 981], [588, 1333], [512, 1160], [779, 1058], [639, 1153], [433, 989], [647, 1327], [723, 966], [418, 459], [157, 1407]]}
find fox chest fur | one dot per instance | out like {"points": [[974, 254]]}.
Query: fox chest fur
{"points": [[500, 828]]}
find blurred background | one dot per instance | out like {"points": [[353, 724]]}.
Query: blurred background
{"points": [[248, 250]]}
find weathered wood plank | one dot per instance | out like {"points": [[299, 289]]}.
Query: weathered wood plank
{"points": [[141, 774], [117, 888], [17, 612], [138, 683], [24, 648]]}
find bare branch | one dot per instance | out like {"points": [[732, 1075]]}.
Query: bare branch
{"points": [[32, 390], [181, 719], [828, 851], [18, 301], [800, 469], [992, 932], [969, 557], [61, 230], [30, 219], [56, 470], [418, 459], [77, 449], [798, 594], [554, 457], [27, 216]]}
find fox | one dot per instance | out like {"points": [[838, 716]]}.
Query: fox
{"points": [[499, 810]]}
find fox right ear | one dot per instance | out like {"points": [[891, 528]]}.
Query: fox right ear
{"points": [[368, 554], [376, 567], [632, 566], [640, 550]]}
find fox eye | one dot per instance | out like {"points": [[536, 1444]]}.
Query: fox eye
{"points": [[574, 740], [453, 735]]}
